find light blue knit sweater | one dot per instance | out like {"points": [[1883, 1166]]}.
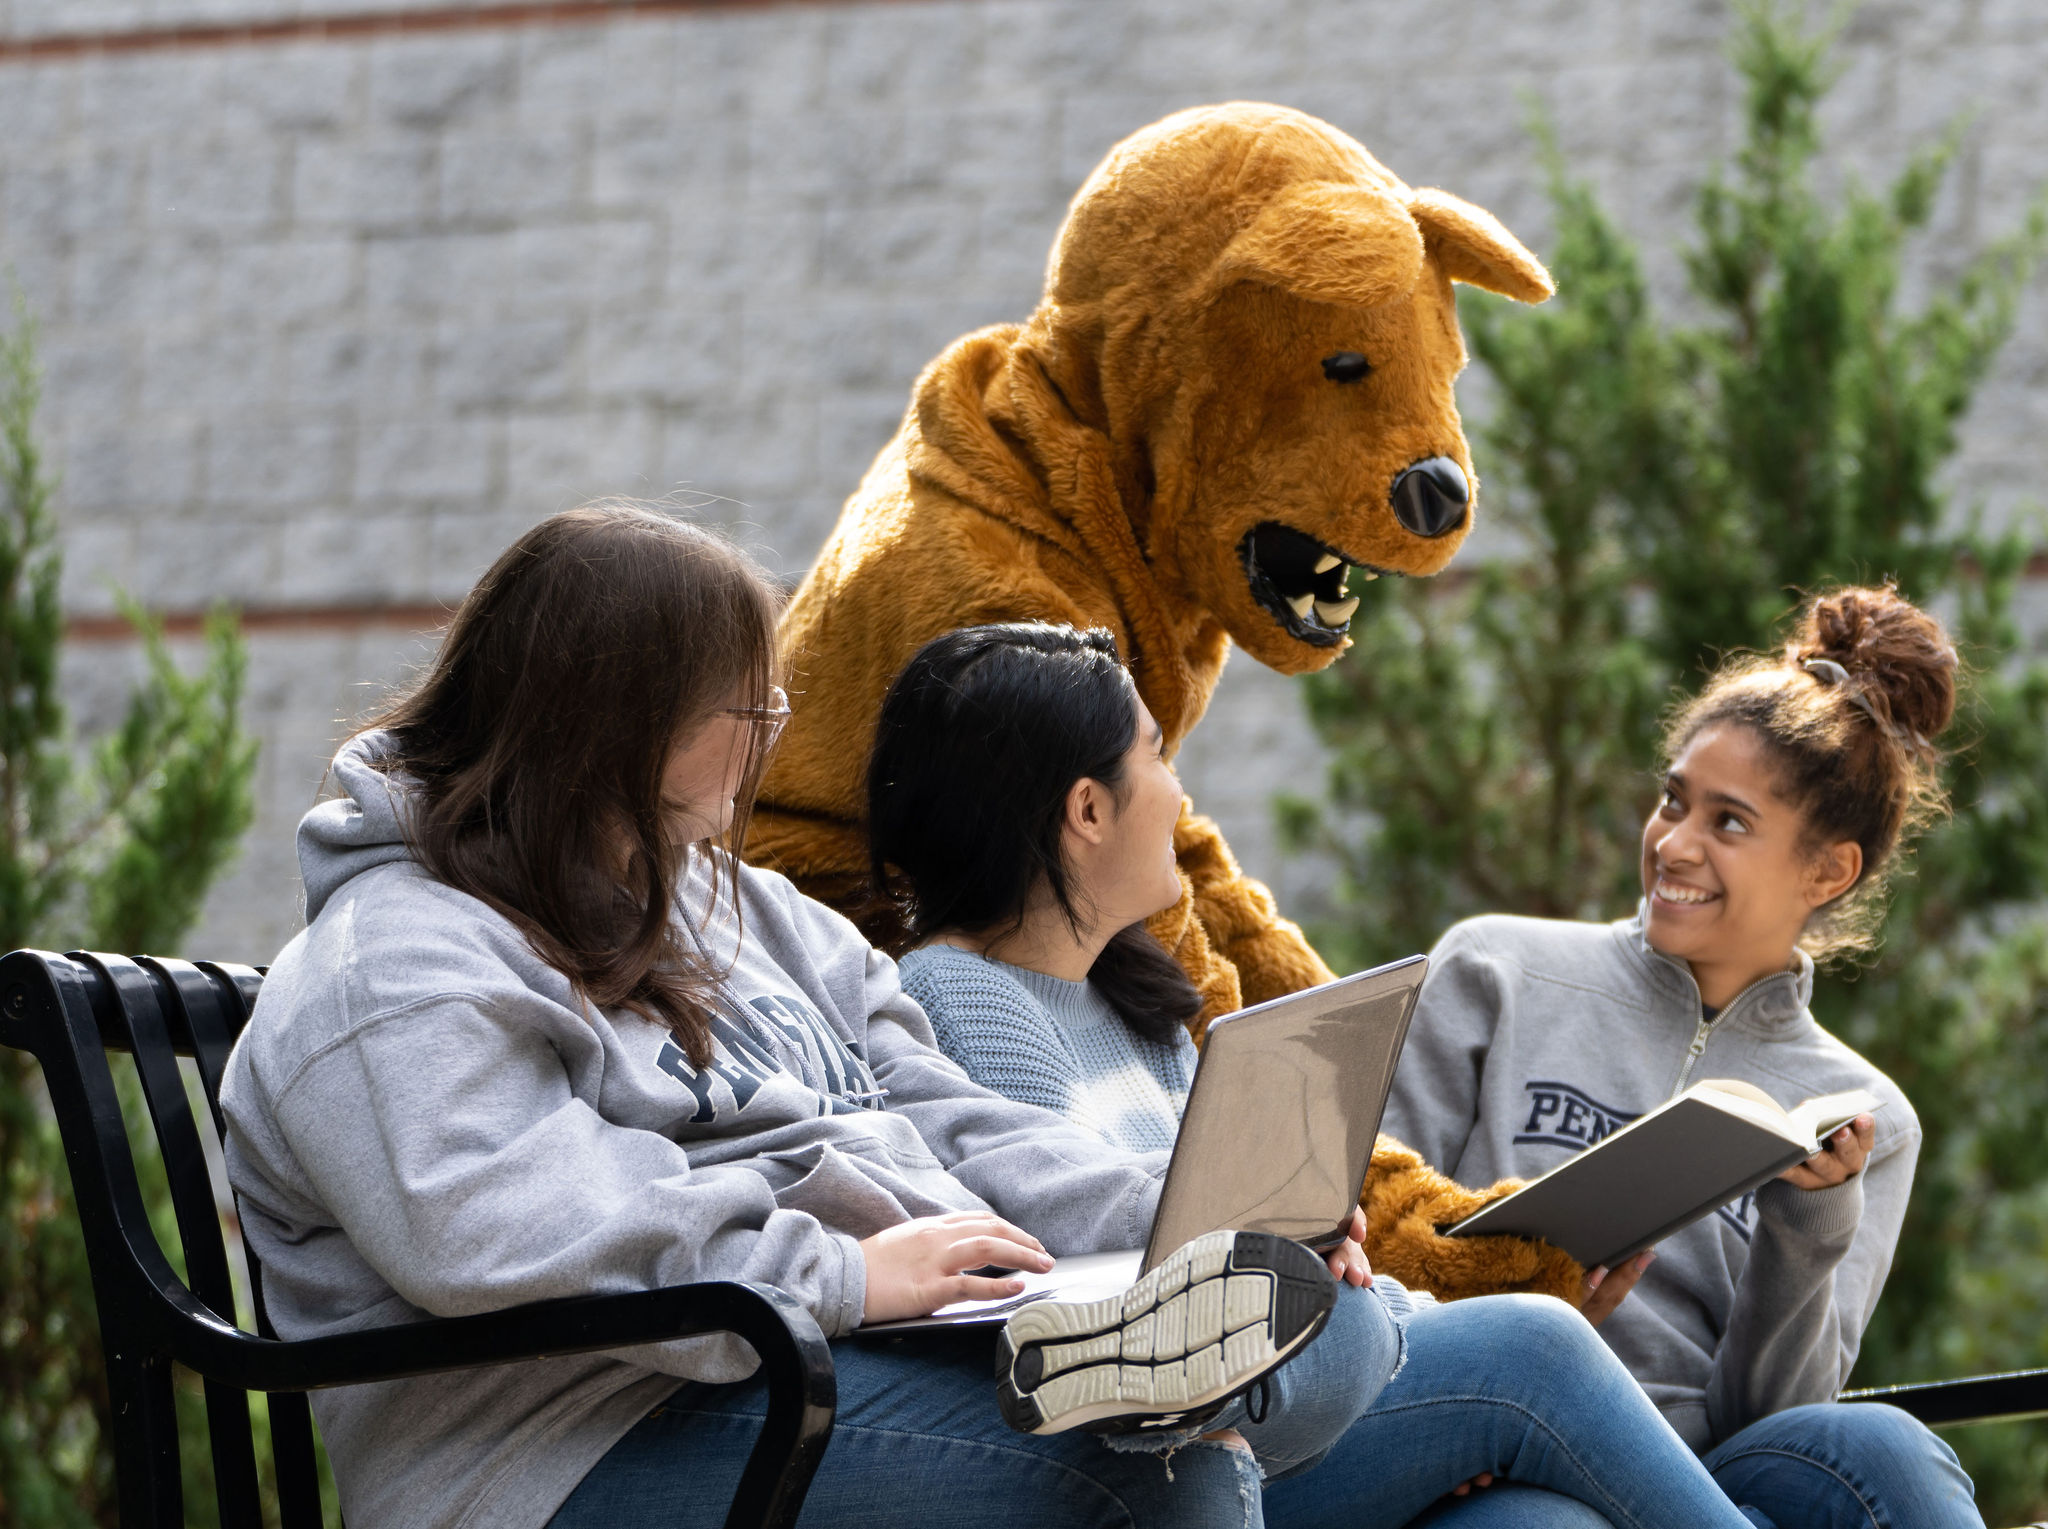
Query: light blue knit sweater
{"points": [[1045, 1041], [1040, 1040]]}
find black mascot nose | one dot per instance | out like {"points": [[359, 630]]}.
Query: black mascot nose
{"points": [[1430, 497]]}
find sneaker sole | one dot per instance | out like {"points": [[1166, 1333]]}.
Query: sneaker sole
{"points": [[1222, 1311]]}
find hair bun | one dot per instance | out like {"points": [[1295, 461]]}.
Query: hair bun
{"points": [[1895, 654]]}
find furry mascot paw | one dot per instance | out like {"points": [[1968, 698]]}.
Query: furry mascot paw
{"points": [[1406, 1200]]}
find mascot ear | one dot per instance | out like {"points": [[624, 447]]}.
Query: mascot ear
{"points": [[1472, 246], [1329, 244]]}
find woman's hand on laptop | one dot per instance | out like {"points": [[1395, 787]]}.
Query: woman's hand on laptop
{"points": [[915, 1267], [1348, 1261]]}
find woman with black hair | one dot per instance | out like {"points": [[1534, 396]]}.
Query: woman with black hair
{"points": [[1079, 1010], [1021, 812]]}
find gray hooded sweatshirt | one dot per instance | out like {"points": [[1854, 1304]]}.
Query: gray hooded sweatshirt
{"points": [[1534, 1038], [425, 1120]]}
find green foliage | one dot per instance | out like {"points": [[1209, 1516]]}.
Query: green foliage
{"points": [[111, 847], [176, 777], [1670, 488]]}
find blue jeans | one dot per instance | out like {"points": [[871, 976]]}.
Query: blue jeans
{"points": [[1517, 1385], [1521, 1386], [1510, 1505], [1828, 1466], [918, 1439], [1844, 1465]]}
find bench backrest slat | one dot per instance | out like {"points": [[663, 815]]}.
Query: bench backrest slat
{"points": [[141, 992], [210, 1018], [213, 1029]]}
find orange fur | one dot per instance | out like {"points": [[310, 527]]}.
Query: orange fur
{"points": [[1406, 1200], [1102, 463]]}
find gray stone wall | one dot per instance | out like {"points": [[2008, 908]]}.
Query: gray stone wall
{"points": [[329, 319]]}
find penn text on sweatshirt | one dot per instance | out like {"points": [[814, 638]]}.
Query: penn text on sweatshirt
{"points": [[425, 1120], [1535, 1038]]}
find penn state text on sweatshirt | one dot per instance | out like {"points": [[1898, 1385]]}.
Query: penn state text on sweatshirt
{"points": [[425, 1120], [1534, 1038]]}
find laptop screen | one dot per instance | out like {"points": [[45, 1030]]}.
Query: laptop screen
{"points": [[1286, 1104]]}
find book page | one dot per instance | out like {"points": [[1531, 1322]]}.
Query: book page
{"points": [[1806, 1124], [1747, 1102], [1737, 1088]]}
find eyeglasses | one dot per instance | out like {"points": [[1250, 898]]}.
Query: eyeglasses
{"points": [[770, 719]]}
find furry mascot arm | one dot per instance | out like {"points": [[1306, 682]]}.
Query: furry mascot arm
{"points": [[1180, 930], [1239, 917], [1406, 1200]]}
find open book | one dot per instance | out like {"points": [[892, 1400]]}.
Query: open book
{"points": [[1663, 1171]]}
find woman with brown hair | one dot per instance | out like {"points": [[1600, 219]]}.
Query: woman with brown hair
{"points": [[545, 1034], [1793, 782]]}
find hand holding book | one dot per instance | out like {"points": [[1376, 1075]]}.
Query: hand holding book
{"points": [[1840, 1159]]}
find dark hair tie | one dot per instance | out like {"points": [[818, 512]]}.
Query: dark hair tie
{"points": [[1834, 676]]}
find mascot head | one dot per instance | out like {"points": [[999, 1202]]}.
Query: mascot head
{"points": [[1259, 317]]}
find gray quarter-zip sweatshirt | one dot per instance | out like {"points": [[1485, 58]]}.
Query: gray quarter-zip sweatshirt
{"points": [[425, 1120], [1534, 1038]]}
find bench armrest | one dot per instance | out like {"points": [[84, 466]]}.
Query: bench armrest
{"points": [[795, 1360], [776, 1326]]}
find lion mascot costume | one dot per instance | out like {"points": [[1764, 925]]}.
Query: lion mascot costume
{"points": [[1234, 399]]}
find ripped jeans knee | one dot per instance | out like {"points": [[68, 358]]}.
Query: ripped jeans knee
{"points": [[1250, 1476]]}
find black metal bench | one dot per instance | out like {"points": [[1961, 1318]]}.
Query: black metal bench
{"points": [[69, 1011]]}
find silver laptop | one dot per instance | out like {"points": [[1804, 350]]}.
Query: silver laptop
{"points": [[1277, 1135]]}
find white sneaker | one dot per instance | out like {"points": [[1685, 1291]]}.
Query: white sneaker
{"points": [[1224, 1310]]}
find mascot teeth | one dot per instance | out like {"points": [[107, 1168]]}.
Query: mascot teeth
{"points": [[1301, 581], [1335, 615]]}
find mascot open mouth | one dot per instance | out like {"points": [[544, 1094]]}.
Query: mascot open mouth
{"points": [[1301, 581]]}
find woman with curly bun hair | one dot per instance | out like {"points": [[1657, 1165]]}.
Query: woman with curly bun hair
{"points": [[1793, 784]]}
